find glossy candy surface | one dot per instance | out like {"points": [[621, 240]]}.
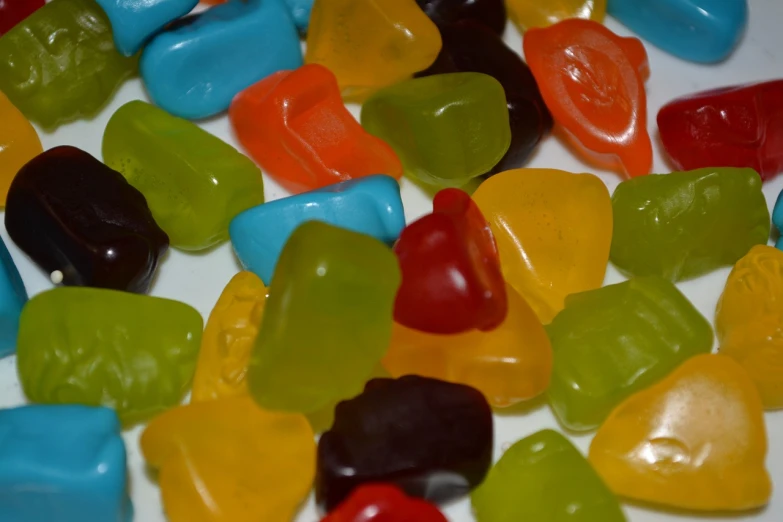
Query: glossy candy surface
{"points": [[749, 320], [230, 461], [489, 13], [349, 36], [543, 477], [63, 463], [614, 341], [369, 205], [593, 82], [695, 440], [197, 65], [194, 182], [19, 144], [383, 503], [446, 129], [553, 231], [327, 321], [534, 13], [685, 224], [451, 279], [82, 222], [295, 125], [430, 438], [509, 364], [14, 11], [740, 126], [470, 47], [13, 297], [300, 11], [90, 346], [60, 63], [697, 30]]}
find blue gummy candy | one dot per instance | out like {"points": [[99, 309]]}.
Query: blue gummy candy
{"points": [[62, 464], [777, 220], [196, 67], [300, 12], [133, 22], [13, 296], [370, 205], [704, 31]]}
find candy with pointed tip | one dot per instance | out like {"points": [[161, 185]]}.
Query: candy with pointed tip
{"points": [[14, 11], [349, 36], [489, 13], [696, 440], [383, 503], [528, 14], [738, 126], [300, 11], [593, 82], [686, 224], [553, 231], [19, 143], [296, 126]]}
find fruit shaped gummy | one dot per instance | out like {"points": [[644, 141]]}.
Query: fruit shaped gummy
{"points": [[528, 14], [431, 438], [446, 129], [63, 463], [553, 231], [383, 503], [370, 205], [451, 279], [686, 224], [195, 67], [81, 222], [327, 320], [740, 126], [295, 125], [697, 30], [471, 47], [228, 339], [13, 297], [349, 36], [489, 13], [194, 182], [91, 346], [60, 63], [749, 320], [695, 440], [14, 11], [593, 82], [19, 143], [509, 364], [543, 477], [614, 341]]}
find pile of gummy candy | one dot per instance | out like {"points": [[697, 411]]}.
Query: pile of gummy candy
{"points": [[396, 342]]}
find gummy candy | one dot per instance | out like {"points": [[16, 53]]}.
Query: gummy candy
{"points": [[383, 503], [327, 321], [543, 477], [60, 63], [370, 205], [509, 364], [430, 438], [749, 320], [537, 13], [593, 82], [300, 11], [695, 440], [686, 224], [451, 279], [697, 30], [737, 126], [19, 144], [295, 125], [91, 346], [349, 37], [489, 13], [14, 11], [63, 463], [13, 297], [195, 67], [553, 231], [446, 128], [83, 223], [611, 342], [194, 183]]}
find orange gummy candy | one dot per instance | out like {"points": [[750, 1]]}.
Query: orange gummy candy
{"points": [[19, 144]]}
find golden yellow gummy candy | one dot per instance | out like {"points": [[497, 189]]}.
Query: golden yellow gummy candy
{"points": [[543, 13], [19, 144]]}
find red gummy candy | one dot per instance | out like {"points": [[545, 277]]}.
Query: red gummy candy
{"points": [[14, 11], [383, 503]]}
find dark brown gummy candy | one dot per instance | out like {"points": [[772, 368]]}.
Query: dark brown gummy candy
{"points": [[491, 13], [70, 212], [431, 438]]}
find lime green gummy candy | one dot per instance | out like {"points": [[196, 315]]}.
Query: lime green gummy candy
{"points": [[195, 183], [327, 321], [134, 353]]}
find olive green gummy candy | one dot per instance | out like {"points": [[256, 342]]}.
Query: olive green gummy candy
{"points": [[60, 64], [685, 224], [195, 183], [543, 478], [134, 353]]}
